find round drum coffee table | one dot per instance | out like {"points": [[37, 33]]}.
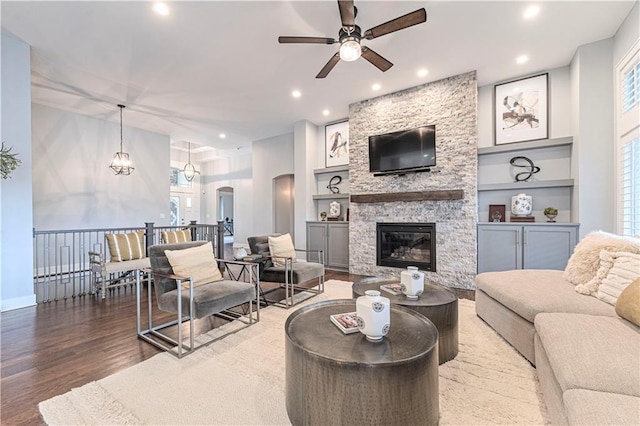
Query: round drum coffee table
{"points": [[437, 303], [337, 378]]}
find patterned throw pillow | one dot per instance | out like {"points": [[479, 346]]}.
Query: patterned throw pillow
{"points": [[199, 263], [172, 237], [126, 246], [624, 271], [282, 247]]}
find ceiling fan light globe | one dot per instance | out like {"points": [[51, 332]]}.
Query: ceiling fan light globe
{"points": [[350, 50]]}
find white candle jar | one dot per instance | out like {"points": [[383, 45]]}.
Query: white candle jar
{"points": [[374, 315], [412, 282]]}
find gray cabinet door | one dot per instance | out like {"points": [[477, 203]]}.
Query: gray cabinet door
{"points": [[316, 240], [338, 245], [548, 247], [499, 248]]}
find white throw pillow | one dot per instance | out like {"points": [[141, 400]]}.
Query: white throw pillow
{"points": [[281, 247], [199, 263], [590, 288], [624, 271]]}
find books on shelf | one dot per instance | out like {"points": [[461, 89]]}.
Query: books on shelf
{"points": [[394, 289], [346, 322], [522, 219]]}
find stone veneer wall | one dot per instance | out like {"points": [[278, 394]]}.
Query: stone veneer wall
{"points": [[450, 104]]}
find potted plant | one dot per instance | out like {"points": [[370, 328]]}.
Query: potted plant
{"points": [[9, 161]]}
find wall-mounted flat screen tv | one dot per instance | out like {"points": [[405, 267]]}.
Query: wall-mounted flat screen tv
{"points": [[403, 152]]}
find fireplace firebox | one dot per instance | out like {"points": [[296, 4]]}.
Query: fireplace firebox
{"points": [[406, 244]]}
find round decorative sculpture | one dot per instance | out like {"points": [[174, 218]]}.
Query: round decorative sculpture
{"points": [[374, 315], [521, 204], [524, 176], [412, 282], [551, 213], [333, 184]]}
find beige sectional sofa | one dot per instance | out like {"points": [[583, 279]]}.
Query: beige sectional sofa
{"points": [[586, 356]]}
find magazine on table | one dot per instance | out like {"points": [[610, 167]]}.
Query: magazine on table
{"points": [[394, 289], [347, 322]]}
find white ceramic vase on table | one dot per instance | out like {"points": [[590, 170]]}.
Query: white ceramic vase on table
{"points": [[374, 315], [521, 204], [412, 282]]}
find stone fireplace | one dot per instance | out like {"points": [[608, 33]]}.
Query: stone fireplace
{"points": [[446, 196], [406, 244]]}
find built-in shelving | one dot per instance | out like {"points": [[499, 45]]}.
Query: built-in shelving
{"points": [[523, 146], [331, 197], [515, 186], [333, 169]]}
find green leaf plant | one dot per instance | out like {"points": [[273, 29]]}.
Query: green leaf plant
{"points": [[9, 161]]}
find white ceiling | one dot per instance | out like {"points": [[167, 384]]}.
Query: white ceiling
{"points": [[216, 67]]}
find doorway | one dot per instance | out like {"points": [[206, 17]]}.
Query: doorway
{"points": [[283, 205], [225, 211]]}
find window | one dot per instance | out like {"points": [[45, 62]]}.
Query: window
{"points": [[631, 87], [630, 188], [176, 178], [628, 143]]}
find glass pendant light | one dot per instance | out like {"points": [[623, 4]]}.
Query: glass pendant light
{"points": [[121, 164], [189, 169]]}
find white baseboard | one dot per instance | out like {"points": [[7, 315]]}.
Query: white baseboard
{"points": [[17, 303]]}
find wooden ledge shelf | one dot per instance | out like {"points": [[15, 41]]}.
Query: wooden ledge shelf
{"points": [[442, 195]]}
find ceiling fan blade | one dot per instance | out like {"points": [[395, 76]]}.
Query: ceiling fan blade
{"points": [[329, 66], [381, 63], [313, 40], [347, 13], [410, 19]]}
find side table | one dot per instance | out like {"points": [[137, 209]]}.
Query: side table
{"points": [[336, 378], [437, 303]]}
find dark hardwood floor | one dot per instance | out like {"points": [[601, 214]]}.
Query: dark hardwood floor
{"points": [[48, 349]]}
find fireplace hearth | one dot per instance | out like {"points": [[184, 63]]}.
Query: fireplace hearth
{"points": [[406, 244]]}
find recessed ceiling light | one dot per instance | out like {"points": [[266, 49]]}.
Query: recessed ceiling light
{"points": [[376, 86], [161, 9], [222, 136], [522, 59], [296, 94], [423, 72], [325, 112], [531, 11]]}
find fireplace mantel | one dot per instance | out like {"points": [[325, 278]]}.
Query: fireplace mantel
{"points": [[440, 195]]}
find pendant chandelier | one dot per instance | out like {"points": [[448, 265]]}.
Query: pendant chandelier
{"points": [[121, 165], [189, 169]]}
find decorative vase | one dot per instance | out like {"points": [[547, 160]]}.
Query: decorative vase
{"points": [[521, 204], [239, 253], [551, 217], [374, 315], [412, 282]]}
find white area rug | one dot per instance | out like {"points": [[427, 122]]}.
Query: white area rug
{"points": [[240, 380]]}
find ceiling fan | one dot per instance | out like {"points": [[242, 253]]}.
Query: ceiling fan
{"points": [[350, 36]]}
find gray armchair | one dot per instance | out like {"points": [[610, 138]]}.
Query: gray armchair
{"points": [[291, 274], [194, 302]]}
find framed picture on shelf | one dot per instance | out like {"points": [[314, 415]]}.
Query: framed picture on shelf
{"points": [[521, 110], [497, 212], [336, 143]]}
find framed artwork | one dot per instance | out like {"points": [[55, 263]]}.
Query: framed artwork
{"points": [[497, 212], [336, 143], [521, 110]]}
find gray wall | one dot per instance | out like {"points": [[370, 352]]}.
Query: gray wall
{"points": [[271, 157], [593, 132], [73, 187], [627, 34], [450, 104], [16, 247]]}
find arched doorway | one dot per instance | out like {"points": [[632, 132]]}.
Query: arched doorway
{"points": [[283, 205]]}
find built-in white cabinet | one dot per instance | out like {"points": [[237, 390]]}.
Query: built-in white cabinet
{"points": [[333, 239], [504, 246], [551, 187], [323, 196]]}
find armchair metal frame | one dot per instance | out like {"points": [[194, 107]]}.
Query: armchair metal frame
{"points": [[152, 333], [290, 287]]}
